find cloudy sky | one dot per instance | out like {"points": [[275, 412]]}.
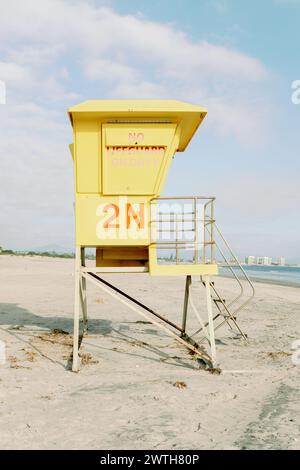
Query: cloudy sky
{"points": [[238, 59]]}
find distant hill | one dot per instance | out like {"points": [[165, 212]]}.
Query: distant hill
{"points": [[52, 248]]}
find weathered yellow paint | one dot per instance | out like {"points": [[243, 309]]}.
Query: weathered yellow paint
{"points": [[126, 253], [153, 134], [188, 114], [183, 269], [136, 166], [200, 269], [93, 211], [71, 148], [122, 256], [122, 153], [87, 158]]}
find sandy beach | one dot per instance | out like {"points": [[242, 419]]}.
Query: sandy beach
{"points": [[137, 388]]}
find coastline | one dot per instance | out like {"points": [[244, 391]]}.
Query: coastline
{"points": [[276, 275], [265, 281]]}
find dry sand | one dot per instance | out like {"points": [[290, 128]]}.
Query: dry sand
{"points": [[137, 388]]}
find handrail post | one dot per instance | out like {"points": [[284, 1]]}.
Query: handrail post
{"points": [[196, 231], [176, 225], [204, 234], [212, 231]]}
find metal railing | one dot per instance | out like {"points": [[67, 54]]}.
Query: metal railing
{"points": [[234, 268], [242, 299], [184, 224], [207, 242]]}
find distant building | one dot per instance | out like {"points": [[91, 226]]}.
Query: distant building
{"points": [[264, 260]]}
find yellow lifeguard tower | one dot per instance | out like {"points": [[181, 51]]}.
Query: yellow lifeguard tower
{"points": [[122, 152]]}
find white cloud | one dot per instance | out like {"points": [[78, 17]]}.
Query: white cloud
{"points": [[130, 54], [14, 73], [35, 55], [56, 53], [139, 89], [107, 70], [2, 92]]}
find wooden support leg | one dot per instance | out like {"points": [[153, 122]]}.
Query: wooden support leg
{"points": [[210, 320], [83, 294], [77, 308], [186, 303]]}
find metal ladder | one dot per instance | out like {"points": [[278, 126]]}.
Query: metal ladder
{"points": [[214, 245], [227, 311]]}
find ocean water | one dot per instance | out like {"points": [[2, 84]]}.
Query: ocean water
{"points": [[283, 275]]}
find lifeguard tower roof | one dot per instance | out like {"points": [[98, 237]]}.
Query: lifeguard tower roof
{"points": [[187, 115]]}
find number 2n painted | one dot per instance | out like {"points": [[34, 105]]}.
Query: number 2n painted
{"points": [[113, 211]]}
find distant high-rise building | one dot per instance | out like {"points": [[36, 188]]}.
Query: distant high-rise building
{"points": [[265, 260], [250, 260]]}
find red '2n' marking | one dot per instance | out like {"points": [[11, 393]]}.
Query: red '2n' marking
{"points": [[115, 214], [131, 215]]}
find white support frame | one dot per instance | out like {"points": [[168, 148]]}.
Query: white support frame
{"points": [[210, 320], [82, 273], [77, 308]]}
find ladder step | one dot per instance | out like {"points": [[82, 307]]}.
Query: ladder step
{"points": [[212, 283]]}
